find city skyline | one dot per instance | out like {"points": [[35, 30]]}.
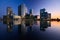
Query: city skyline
{"points": [[52, 6]]}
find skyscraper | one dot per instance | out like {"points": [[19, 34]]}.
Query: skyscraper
{"points": [[9, 14], [43, 14], [31, 12], [42, 10], [22, 10], [9, 11]]}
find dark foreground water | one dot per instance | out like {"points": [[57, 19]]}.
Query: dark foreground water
{"points": [[30, 30]]}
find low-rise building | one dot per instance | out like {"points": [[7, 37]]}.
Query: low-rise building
{"points": [[16, 17], [37, 17]]}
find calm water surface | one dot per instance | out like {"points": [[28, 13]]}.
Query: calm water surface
{"points": [[30, 30]]}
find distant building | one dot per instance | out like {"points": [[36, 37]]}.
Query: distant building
{"points": [[27, 16], [9, 11], [44, 15], [37, 16], [15, 17], [49, 16], [16, 20], [31, 12], [7, 19], [22, 10], [42, 10], [4, 19]]}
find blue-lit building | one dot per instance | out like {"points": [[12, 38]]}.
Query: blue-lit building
{"points": [[44, 15], [31, 12]]}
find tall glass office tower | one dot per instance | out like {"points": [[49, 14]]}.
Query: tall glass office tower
{"points": [[22, 10]]}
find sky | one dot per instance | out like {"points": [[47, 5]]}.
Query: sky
{"points": [[51, 6]]}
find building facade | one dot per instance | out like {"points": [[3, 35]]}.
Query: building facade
{"points": [[22, 10], [31, 12], [44, 15], [49, 16], [9, 11]]}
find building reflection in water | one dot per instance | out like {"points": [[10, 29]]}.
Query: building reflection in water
{"points": [[24, 27], [44, 25], [29, 24], [9, 25]]}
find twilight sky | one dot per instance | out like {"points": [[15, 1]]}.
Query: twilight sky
{"points": [[51, 6]]}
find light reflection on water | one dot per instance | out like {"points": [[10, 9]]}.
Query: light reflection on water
{"points": [[33, 30]]}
